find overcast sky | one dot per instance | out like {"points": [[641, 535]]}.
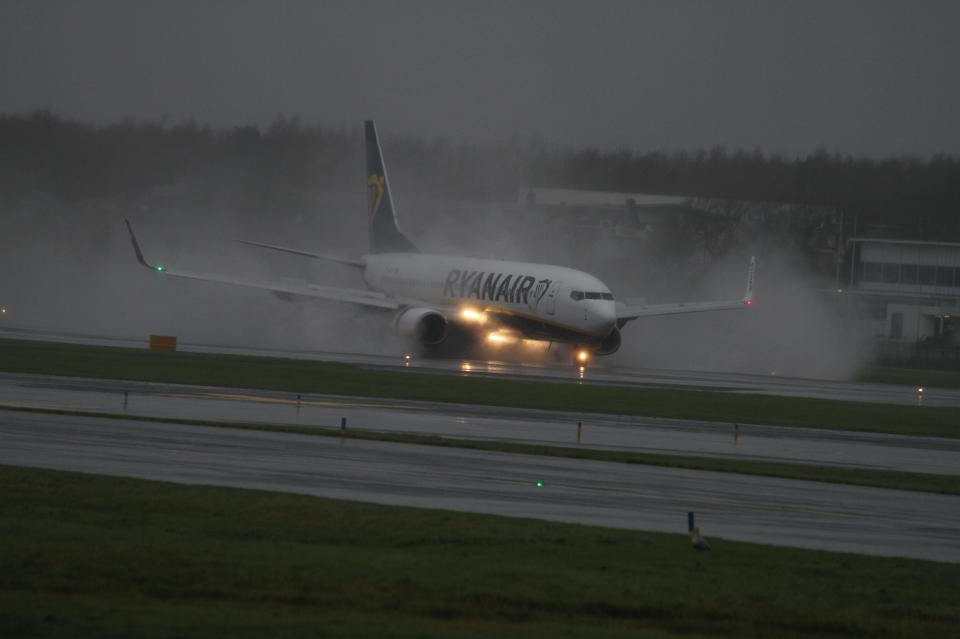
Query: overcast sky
{"points": [[867, 78]]}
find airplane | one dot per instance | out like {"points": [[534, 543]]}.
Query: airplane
{"points": [[457, 302]]}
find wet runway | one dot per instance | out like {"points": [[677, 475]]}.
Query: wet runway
{"points": [[599, 372], [775, 511], [638, 434]]}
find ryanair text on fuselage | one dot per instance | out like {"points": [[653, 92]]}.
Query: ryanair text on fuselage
{"points": [[495, 287]]}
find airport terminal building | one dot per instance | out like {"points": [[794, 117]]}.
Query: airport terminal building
{"points": [[902, 295], [907, 295]]}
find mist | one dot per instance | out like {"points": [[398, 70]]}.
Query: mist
{"points": [[864, 78], [66, 272], [68, 265]]}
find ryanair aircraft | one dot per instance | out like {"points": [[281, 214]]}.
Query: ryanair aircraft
{"points": [[441, 300]]}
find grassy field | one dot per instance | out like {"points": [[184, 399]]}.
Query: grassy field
{"points": [[303, 376], [909, 377], [92, 556], [945, 484]]}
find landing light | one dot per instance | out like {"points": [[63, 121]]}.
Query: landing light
{"points": [[582, 356], [473, 315], [499, 337]]}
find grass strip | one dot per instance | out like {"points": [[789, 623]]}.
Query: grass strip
{"points": [[908, 377], [305, 376], [94, 556], [920, 482]]}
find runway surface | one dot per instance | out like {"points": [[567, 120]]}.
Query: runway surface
{"points": [[767, 510], [774, 511], [639, 434], [599, 372]]}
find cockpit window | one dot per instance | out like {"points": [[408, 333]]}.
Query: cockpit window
{"points": [[590, 295]]}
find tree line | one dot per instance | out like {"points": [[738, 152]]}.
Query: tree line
{"points": [[40, 152]]}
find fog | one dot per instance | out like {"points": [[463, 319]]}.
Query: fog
{"points": [[867, 78], [63, 271], [66, 270]]}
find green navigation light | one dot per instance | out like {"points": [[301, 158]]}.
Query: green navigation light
{"points": [[539, 484], [160, 268]]}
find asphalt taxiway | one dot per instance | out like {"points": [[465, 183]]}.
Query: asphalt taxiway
{"points": [[767, 510], [779, 444]]}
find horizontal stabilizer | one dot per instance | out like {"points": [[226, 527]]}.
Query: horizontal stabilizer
{"points": [[318, 256]]}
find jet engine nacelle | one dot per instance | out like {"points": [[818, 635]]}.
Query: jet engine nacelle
{"points": [[425, 325], [610, 343]]}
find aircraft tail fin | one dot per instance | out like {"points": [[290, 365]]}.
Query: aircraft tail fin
{"points": [[385, 236]]}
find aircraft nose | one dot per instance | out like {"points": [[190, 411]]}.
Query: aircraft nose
{"points": [[611, 314], [606, 315]]}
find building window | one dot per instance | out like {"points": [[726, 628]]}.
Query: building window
{"points": [[896, 325], [927, 274], [908, 273], [872, 272], [891, 273], [944, 276]]}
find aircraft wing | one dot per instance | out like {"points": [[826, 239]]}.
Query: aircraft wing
{"points": [[299, 289], [627, 313]]}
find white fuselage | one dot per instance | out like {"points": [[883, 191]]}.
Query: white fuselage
{"points": [[576, 304]]}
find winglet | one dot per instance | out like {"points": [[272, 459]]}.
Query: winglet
{"points": [[748, 297], [136, 249]]}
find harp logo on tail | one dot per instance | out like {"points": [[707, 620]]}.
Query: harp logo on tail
{"points": [[539, 291], [375, 190]]}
